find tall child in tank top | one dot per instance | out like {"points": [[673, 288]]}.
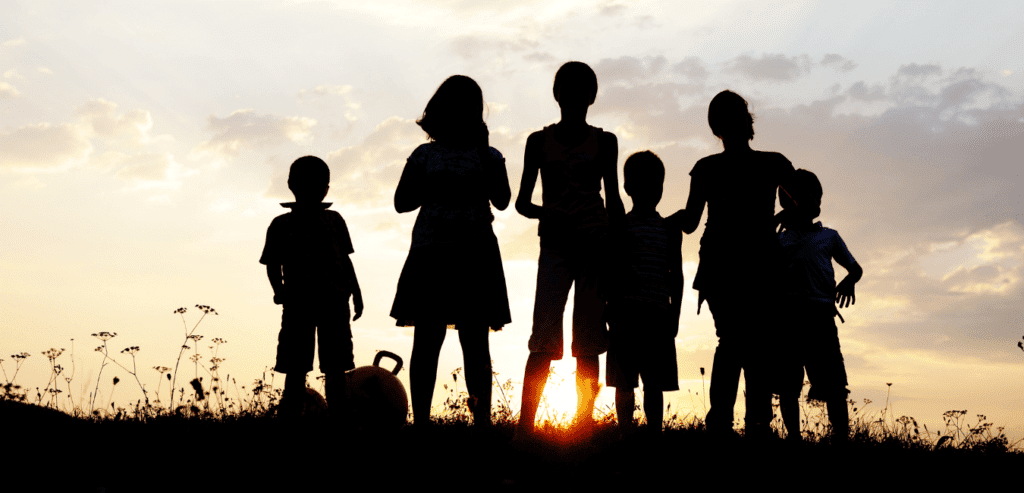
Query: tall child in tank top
{"points": [[572, 158]]}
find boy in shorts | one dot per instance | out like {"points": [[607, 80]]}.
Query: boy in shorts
{"points": [[644, 312], [812, 340], [574, 161], [307, 258]]}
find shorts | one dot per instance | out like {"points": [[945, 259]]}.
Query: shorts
{"points": [[303, 322], [642, 345], [558, 269], [812, 343]]}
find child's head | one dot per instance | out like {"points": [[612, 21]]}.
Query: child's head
{"points": [[308, 179], [643, 177], [575, 85], [804, 188], [729, 118], [454, 114]]}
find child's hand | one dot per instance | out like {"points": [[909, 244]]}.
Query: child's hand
{"points": [[357, 301], [844, 293]]}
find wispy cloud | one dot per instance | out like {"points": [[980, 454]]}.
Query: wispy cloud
{"points": [[245, 128]]}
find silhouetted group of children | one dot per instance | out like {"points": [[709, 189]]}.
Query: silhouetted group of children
{"points": [[771, 290]]}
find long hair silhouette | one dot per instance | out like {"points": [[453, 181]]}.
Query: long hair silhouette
{"points": [[453, 114]]}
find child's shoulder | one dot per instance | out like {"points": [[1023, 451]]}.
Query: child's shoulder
{"points": [[495, 154]]}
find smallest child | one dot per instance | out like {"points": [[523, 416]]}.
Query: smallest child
{"points": [[643, 311], [812, 340], [307, 258]]}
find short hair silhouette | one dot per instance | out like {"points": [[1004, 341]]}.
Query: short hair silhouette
{"points": [[455, 111], [728, 116], [643, 167], [806, 190], [575, 76], [308, 172]]}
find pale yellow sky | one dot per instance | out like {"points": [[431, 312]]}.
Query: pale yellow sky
{"points": [[143, 152]]}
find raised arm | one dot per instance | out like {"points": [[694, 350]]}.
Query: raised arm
{"points": [[612, 201], [408, 194], [531, 169]]}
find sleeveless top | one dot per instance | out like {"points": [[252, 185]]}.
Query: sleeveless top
{"points": [[571, 183]]}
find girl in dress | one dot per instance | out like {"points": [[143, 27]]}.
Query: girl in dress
{"points": [[453, 276]]}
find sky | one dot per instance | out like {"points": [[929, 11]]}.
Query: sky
{"points": [[144, 149]]}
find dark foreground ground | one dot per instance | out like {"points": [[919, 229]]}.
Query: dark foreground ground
{"points": [[264, 454]]}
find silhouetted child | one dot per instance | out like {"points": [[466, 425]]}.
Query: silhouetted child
{"points": [[307, 258], [572, 159], [453, 276], [643, 313], [811, 335]]}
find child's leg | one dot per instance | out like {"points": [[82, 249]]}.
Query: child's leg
{"points": [[625, 402], [337, 401], [553, 283], [587, 386], [839, 417], [294, 393], [725, 368], [654, 409], [537, 367], [477, 356], [426, 347], [589, 333], [790, 409]]}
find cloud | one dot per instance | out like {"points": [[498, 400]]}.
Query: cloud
{"points": [[149, 171], [861, 92], [44, 146], [151, 167], [99, 118], [915, 71], [325, 90], [628, 69], [473, 46], [366, 173], [691, 67], [840, 62], [12, 74], [612, 9], [245, 127], [8, 91], [13, 42], [322, 91], [97, 126], [776, 67]]}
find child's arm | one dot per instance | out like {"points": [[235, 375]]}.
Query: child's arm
{"points": [[844, 291], [531, 170], [676, 290], [500, 192], [276, 282], [408, 194], [609, 146], [357, 295], [689, 218]]}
